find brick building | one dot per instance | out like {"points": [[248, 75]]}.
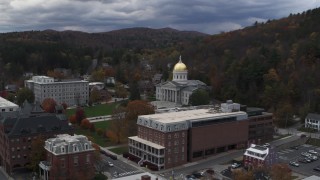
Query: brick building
{"points": [[260, 125], [259, 156], [19, 128], [68, 157], [171, 139]]}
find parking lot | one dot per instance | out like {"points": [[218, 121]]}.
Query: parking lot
{"points": [[291, 154]]}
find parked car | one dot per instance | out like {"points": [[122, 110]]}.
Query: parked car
{"points": [[293, 163], [235, 165], [308, 160], [305, 154], [302, 160], [110, 164], [266, 145], [313, 152], [317, 168], [313, 157], [294, 147]]}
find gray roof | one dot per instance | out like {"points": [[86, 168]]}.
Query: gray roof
{"points": [[35, 124], [31, 120], [313, 116]]}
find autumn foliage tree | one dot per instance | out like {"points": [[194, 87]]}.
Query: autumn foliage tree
{"points": [[281, 171], [133, 110], [37, 153], [72, 119], [80, 115], [85, 124], [49, 105], [117, 125], [243, 175]]}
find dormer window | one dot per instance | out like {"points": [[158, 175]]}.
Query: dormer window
{"points": [[86, 146], [62, 149], [75, 148]]}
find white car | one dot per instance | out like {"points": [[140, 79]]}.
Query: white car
{"points": [[266, 145], [313, 152], [293, 163], [235, 165], [110, 164]]}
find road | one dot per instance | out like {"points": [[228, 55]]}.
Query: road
{"points": [[200, 165], [119, 168]]}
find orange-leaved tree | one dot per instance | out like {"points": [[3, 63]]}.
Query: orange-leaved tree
{"points": [[49, 105], [133, 110], [85, 124]]}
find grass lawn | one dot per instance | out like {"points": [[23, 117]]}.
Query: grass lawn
{"points": [[103, 124], [120, 150], [304, 129], [97, 110]]}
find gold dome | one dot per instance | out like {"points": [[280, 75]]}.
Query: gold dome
{"points": [[180, 66]]}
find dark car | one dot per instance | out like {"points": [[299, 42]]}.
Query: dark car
{"points": [[304, 160], [317, 168], [114, 157], [294, 147]]}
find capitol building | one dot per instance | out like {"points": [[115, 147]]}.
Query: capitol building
{"points": [[180, 88]]}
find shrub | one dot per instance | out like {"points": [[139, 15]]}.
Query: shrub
{"points": [[85, 124], [100, 131]]}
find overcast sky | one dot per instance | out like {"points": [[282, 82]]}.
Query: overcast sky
{"points": [[208, 16]]}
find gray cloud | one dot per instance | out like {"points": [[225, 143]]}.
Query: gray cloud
{"points": [[209, 16]]}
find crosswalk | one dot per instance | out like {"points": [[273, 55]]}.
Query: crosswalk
{"points": [[127, 173]]}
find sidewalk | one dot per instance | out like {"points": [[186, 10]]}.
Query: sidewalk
{"points": [[4, 175]]}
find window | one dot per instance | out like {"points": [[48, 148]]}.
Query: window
{"points": [[75, 161], [75, 148], [88, 158], [62, 162]]}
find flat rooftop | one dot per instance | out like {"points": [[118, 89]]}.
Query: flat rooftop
{"points": [[197, 114], [6, 103]]}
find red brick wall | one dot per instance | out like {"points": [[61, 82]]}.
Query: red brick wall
{"points": [[217, 135]]}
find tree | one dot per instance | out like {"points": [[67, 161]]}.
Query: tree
{"points": [[25, 94], [37, 153], [243, 175], [49, 105], [134, 91], [133, 110], [284, 114], [95, 95], [64, 105], [80, 115], [120, 91], [118, 124], [97, 75], [199, 97], [85, 123], [280, 172], [73, 119]]}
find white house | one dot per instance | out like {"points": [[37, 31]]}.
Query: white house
{"points": [[313, 121]]}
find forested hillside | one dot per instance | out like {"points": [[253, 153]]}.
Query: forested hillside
{"points": [[39, 51], [273, 64]]}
